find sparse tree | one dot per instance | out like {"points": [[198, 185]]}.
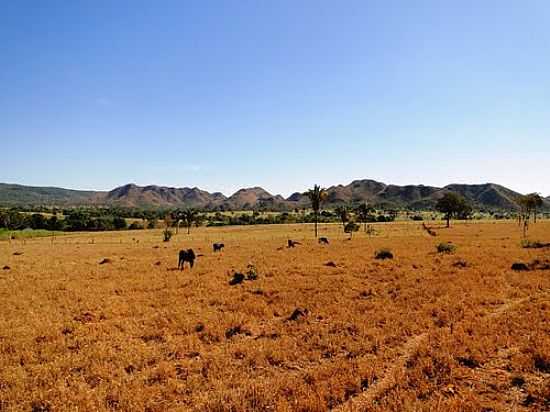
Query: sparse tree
{"points": [[364, 214], [343, 213], [453, 205], [529, 204], [317, 195], [190, 217], [534, 203]]}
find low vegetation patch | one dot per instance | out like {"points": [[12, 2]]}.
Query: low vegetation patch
{"points": [[446, 247], [167, 235], [542, 362], [236, 330], [250, 274]]}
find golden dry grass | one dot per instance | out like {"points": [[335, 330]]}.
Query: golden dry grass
{"points": [[419, 332]]}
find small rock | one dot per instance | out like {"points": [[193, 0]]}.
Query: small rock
{"points": [[383, 254], [330, 264], [236, 330], [237, 278], [17, 253], [85, 317], [105, 260], [518, 381], [460, 264], [298, 314], [6, 268], [467, 361]]}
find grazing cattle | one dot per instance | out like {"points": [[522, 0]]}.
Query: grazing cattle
{"points": [[186, 256], [323, 241], [218, 247], [292, 243]]}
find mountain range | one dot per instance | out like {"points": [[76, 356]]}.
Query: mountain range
{"points": [[486, 196]]}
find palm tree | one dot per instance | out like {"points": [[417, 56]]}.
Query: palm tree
{"points": [[189, 216], [316, 195]]}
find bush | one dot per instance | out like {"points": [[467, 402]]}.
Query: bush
{"points": [[446, 247], [350, 228], [383, 254], [167, 234], [135, 226], [119, 223], [252, 272], [417, 218]]}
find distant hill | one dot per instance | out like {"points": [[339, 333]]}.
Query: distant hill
{"points": [[250, 198], [13, 195], [131, 195], [488, 196]]}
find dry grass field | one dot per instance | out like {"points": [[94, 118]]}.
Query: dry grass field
{"points": [[424, 331]]}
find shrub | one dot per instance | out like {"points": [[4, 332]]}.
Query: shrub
{"points": [[252, 272], [119, 223], [383, 254], [446, 247], [167, 234], [350, 228], [417, 218], [135, 226]]}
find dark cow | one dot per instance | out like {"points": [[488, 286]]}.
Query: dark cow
{"points": [[323, 240], [218, 247], [292, 243], [186, 256]]}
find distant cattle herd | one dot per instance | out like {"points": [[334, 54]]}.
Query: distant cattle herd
{"points": [[189, 256]]}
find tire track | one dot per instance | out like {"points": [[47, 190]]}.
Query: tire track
{"points": [[365, 399]]}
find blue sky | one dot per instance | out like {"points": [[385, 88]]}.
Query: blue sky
{"points": [[280, 94]]}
